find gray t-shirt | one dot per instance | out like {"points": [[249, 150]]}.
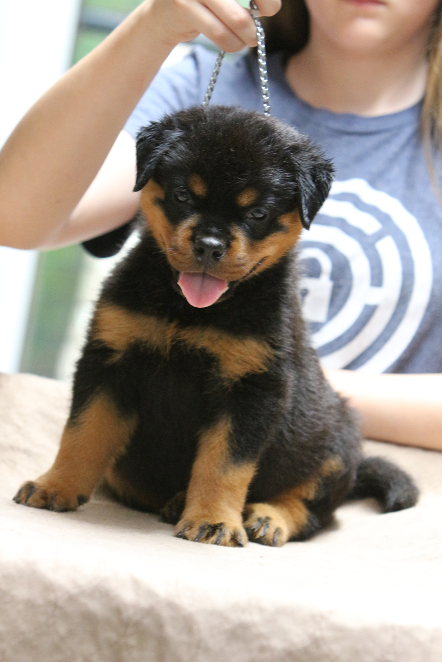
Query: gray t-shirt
{"points": [[372, 279]]}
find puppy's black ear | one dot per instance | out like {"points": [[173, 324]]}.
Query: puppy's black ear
{"points": [[153, 141], [313, 175], [313, 187]]}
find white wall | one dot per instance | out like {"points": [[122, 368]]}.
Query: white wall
{"points": [[36, 45]]}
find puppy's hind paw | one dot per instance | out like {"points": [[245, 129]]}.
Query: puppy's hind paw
{"points": [[37, 496], [265, 525]]}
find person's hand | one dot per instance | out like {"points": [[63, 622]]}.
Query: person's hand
{"points": [[225, 22]]}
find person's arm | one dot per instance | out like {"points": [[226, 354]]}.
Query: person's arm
{"points": [[57, 149], [108, 203], [405, 409]]}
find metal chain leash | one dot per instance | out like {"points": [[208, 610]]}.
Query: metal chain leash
{"points": [[262, 61], [262, 64], [213, 78]]}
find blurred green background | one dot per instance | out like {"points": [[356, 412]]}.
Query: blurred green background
{"points": [[89, 38], [59, 272]]}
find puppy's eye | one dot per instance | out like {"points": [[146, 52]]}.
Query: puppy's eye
{"points": [[182, 195], [257, 215]]}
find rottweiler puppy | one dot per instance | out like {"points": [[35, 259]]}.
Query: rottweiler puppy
{"points": [[198, 394]]}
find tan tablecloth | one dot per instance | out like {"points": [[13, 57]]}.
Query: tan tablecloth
{"points": [[110, 584]]}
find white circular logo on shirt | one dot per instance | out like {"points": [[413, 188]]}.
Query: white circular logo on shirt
{"points": [[367, 278]]}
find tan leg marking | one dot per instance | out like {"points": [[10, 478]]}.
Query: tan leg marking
{"points": [[216, 493], [332, 465], [88, 444], [286, 515], [273, 525], [237, 357], [130, 495]]}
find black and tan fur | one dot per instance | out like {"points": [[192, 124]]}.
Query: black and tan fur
{"points": [[220, 417]]}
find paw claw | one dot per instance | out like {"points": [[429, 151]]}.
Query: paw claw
{"points": [[238, 540], [219, 533], [182, 532], [220, 536], [255, 526], [25, 492], [202, 533], [34, 495], [264, 525], [277, 536]]}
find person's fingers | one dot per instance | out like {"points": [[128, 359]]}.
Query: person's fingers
{"points": [[235, 18], [182, 20], [225, 22], [268, 7]]}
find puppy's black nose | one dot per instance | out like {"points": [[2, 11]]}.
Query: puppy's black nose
{"points": [[209, 249]]}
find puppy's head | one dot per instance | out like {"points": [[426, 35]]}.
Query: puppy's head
{"points": [[226, 193]]}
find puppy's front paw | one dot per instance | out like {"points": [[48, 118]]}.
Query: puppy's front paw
{"points": [[221, 533], [264, 524], [51, 497]]}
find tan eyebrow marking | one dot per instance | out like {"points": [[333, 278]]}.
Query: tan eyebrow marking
{"points": [[247, 197], [197, 185]]}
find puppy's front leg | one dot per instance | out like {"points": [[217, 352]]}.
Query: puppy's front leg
{"points": [[91, 439], [216, 492]]}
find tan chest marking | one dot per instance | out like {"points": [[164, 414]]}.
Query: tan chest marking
{"points": [[236, 357]]}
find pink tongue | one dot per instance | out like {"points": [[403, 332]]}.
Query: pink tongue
{"points": [[201, 290]]}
